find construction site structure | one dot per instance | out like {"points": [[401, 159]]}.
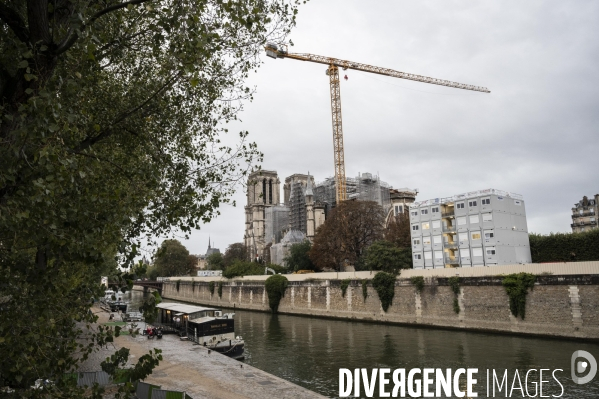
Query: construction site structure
{"points": [[276, 223], [333, 64]]}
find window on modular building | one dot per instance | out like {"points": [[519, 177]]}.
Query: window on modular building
{"points": [[459, 205], [487, 217], [436, 224], [489, 234], [437, 239], [472, 203], [424, 211], [414, 213], [516, 202], [438, 254], [477, 252], [435, 209], [415, 227], [462, 220], [491, 251], [475, 235], [428, 255], [417, 256], [473, 219], [426, 240], [463, 237], [486, 201], [416, 241], [426, 226]]}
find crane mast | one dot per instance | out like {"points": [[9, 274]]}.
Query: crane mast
{"points": [[274, 51]]}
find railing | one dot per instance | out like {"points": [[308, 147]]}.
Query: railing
{"points": [[452, 261], [447, 214], [450, 245], [585, 213], [448, 228]]}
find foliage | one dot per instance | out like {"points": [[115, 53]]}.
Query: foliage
{"points": [[275, 288], [516, 286], [349, 229], [110, 121], [172, 259], [344, 285], [299, 257], [456, 305], [365, 289], [565, 247], [454, 284], [215, 261], [220, 289], [178, 284], [193, 285], [148, 308], [241, 268], [384, 256], [398, 231], [235, 251], [139, 270], [384, 284], [211, 287], [115, 363], [417, 282]]}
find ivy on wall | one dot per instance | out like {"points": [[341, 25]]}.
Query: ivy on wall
{"points": [[516, 286], [344, 285], [220, 289], [565, 247], [454, 284], [178, 284], [417, 282], [365, 289], [275, 288], [384, 284], [211, 287]]}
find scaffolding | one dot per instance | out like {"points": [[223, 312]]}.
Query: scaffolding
{"points": [[325, 191], [276, 223], [371, 188], [297, 207]]}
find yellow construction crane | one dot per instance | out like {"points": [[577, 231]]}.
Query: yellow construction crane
{"points": [[275, 51]]}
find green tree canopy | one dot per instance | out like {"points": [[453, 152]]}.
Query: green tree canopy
{"points": [[299, 257], [215, 261], [385, 256], [235, 251], [172, 259], [111, 115]]}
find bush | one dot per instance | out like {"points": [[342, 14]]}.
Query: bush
{"points": [[516, 286], [241, 268], [298, 258], [365, 289], [454, 284], [565, 247], [418, 283], [384, 284], [220, 289], [275, 288], [344, 285], [211, 287]]}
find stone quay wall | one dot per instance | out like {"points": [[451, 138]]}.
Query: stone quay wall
{"points": [[560, 305]]}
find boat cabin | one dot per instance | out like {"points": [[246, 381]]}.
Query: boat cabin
{"points": [[177, 315]]}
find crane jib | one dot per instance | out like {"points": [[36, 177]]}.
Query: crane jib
{"points": [[380, 71]]}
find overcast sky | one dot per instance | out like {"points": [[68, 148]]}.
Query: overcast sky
{"points": [[536, 133]]}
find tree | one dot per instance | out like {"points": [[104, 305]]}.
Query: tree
{"points": [[385, 256], [172, 259], [110, 118], [215, 261], [299, 258], [398, 231], [350, 228], [235, 251]]}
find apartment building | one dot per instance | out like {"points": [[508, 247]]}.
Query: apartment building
{"points": [[584, 214], [479, 228]]}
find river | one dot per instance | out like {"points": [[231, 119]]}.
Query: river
{"points": [[310, 351]]}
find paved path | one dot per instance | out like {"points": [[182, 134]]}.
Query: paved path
{"points": [[190, 368]]}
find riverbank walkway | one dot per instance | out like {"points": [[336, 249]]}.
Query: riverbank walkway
{"points": [[191, 368]]}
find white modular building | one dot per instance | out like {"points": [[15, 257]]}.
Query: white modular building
{"points": [[479, 228]]}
